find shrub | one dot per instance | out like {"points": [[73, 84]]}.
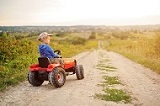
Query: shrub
{"points": [[76, 40], [92, 36], [121, 35]]}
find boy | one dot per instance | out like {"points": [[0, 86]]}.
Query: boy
{"points": [[45, 50]]}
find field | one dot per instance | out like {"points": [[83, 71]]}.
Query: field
{"points": [[143, 48]]}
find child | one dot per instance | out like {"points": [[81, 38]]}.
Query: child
{"points": [[45, 50]]}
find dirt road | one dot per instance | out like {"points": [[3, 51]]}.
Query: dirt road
{"points": [[143, 85]]}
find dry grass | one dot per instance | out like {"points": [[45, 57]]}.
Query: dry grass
{"points": [[142, 49]]}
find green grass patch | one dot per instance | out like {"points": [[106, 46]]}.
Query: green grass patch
{"points": [[111, 80], [115, 95], [105, 67]]}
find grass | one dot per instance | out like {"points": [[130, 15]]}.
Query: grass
{"points": [[111, 80], [15, 60], [140, 50], [114, 95], [105, 67]]}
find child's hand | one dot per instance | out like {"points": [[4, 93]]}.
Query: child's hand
{"points": [[59, 56]]}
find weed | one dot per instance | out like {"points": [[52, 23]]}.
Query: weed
{"points": [[111, 80], [105, 67], [115, 95]]}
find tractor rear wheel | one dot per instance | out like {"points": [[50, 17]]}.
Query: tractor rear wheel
{"points": [[33, 78], [79, 72], [57, 77]]}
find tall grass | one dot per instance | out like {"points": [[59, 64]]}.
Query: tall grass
{"points": [[157, 44], [142, 49], [15, 57]]}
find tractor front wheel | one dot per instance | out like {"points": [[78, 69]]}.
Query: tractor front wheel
{"points": [[33, 78], [57, 77], [79, 72]]}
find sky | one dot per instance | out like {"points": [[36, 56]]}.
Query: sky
{"points": [[79, 12]]}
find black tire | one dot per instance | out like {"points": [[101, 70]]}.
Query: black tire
{"points": [[57, 77], [79, 72], [82, 71], [33, 78]]}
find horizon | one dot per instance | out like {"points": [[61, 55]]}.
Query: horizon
{"points": [[79, 25], [79, 12]]}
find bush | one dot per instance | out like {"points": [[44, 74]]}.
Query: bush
{"points": [[92, 36], [121, 35], [15, 57], [77, 40]]}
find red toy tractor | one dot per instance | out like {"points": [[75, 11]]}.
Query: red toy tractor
{"points": [[54, 73]]}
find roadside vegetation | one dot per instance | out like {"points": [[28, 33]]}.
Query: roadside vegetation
{"points": [[115, 95], [105, 67], [18, 51], [143, 48]]}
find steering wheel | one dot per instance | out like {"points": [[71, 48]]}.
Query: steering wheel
{"points": [[57, 52]]}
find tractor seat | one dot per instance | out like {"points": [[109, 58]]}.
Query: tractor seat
{"points": [[44, 62]]}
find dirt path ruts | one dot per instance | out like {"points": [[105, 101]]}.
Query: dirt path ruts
{"points": [[143, 84]]}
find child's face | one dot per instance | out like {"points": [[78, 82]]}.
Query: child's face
{"points": [[46, 40]]}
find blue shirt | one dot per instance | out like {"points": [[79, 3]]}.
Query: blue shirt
{"points": [[46, 51]]}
